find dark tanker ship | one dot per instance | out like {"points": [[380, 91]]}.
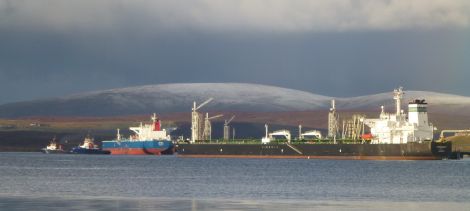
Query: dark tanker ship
{"points": [[393, 137], [409, 151]]}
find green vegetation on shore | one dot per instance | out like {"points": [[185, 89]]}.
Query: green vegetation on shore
{"points": [[69, 124]]}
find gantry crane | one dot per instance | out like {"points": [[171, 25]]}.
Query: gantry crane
{"points": [[207, 126], [196, 121], [227, 128]]}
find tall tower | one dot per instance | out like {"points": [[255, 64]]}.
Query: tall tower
{"points": [[226, 131], [417, 113], [227, 128], [195, 124], [207, 128], [332, 121], [207, 132], [418, 118]]}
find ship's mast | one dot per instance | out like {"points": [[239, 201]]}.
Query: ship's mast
{"points": [[118, 136], [332, 122], [194, 123], [398, 95], [266, 129], [154, 118]]}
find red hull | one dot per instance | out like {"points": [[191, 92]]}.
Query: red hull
{"points": [[127, 151]]}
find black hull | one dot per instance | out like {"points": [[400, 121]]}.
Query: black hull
{"points": [[410, 151], [170, 151]]}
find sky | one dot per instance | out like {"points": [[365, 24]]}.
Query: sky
{"points": [[338, 48]]}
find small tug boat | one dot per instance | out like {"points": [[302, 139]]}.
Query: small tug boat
{"points": [[89, 147], [53, 148]]}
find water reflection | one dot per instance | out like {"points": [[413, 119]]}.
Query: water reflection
{"points": [[84, 203]]}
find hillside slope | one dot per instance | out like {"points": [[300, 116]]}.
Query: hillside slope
{"points": [[240, 97]]}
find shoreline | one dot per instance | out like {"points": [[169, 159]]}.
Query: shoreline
{"points": [[151, 203]]}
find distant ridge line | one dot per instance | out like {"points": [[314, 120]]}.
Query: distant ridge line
{"points": [[242, 97]]}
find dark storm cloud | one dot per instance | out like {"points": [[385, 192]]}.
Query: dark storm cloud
{"points": [[338, 48]]}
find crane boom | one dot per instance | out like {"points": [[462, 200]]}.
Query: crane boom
{"points": [[216, 116], [228, 121], [204, 103]]}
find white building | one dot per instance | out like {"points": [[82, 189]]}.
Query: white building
{"points": [[397, 128]]}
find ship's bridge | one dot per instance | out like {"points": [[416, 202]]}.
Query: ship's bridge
{"points": [[399, 128]]}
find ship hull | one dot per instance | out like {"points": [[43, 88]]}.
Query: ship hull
{"points": [[78, 150], [150, 147], [315, 157], [410, 151], [48, 151]]}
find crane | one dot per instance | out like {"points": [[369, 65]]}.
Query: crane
{"points": [[202, 104], [315, 133], [196, 120], [227, 128], [207, 126], [285, 133]]}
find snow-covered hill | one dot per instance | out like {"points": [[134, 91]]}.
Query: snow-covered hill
{"points": [[166, 98], [170, 98], [438, 102]]}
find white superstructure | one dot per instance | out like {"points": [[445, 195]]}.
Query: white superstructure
{"points": [[53, 145], [147, 132], [88, 143], [399, 128]]}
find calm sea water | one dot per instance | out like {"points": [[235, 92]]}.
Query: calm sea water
{"points": [[36, 181]]}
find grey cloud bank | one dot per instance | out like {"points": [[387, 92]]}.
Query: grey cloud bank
{"points": [[335, 48], [235, 15]]}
